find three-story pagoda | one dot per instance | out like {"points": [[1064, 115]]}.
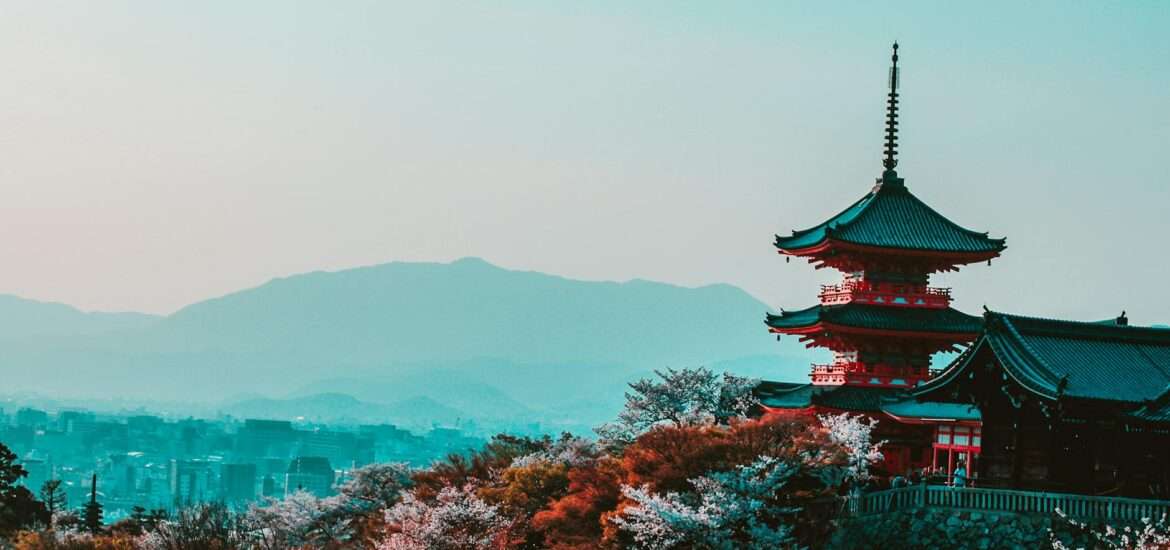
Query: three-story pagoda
{"points": [[884, 321]]}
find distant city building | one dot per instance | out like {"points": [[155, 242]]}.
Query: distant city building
{"points": [[265, 438], [190, 481], [32, 418], [268, 487], [70, 421], [309, 473], [237, 482]]}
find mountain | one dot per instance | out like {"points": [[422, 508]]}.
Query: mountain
{"points": [[468, 335], [22, 319], [415, 412]]}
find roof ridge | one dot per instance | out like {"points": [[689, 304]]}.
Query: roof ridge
{"points": [[798, 232], [906, 190], [1018, 339], [1087, 329]]}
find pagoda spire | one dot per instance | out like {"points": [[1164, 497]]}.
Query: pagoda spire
{"points": [[891, 151]]}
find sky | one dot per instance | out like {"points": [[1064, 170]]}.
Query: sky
{"points": [[157, 153]]}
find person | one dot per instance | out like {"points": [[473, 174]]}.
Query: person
{"points": [[960, 476]]}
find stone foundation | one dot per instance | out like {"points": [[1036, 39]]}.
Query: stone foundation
{"points": [[947, 528]]}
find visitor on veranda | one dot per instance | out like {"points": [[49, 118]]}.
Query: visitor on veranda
{"points": [[960, 476]]}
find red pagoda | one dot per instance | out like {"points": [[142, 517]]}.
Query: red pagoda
{"points": [[883, 321], [1032, 403]]}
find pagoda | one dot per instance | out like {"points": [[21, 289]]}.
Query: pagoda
{"points": [[883, 321]]}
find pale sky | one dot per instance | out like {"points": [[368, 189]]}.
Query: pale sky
{"points": [[155, 153]]}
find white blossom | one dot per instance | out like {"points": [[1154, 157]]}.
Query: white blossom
{"points": [[734, 509], [682, 397], [855, 434], [456, 520], [571, 451], [1152, 535]]}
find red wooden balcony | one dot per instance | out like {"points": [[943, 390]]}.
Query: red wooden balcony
{"points": [[888, 294]]}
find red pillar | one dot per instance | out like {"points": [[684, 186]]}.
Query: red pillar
{"points": [[950, 465]]}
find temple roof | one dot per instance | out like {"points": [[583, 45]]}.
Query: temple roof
{"points": [[892, 217], [1053, 358], [910, 319], [786, 395], [931, 410]]}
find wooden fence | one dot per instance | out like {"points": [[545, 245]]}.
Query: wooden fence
{"points": [[1082, 507]]}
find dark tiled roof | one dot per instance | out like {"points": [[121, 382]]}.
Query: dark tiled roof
{"points": [[784, 395], [892, 217], [1154, 412], [1052, 358], [879, 317]]}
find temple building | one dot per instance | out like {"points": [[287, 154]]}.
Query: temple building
{"points": [[1027, 404]]}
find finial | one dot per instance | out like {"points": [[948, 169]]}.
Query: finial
{"points": [[892, 117]]}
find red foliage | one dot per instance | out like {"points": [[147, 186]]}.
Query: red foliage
{"points": [[667, 457], [575, 520]]}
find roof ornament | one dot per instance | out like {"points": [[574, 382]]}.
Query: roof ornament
{"points": [[890, 162]]}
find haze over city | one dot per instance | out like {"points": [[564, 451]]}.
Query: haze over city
{"points": [[159, 154]]}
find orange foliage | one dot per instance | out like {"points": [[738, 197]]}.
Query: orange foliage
{"points": [[667, 457], [575, 520]]}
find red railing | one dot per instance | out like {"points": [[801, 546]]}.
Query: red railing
{"points": [[892, 294]]}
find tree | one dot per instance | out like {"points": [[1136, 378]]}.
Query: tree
{"points": [[855, 434], [19, 509], [459, 470], [91, 515], [575, 520], [457, 519], [1154, 533], [298, 520], [200, 527], [54, 497], [727, 510], [682, 397]]}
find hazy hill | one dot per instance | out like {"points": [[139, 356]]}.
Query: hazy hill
{"points": [[22, 319], [469, 335], [416, 412]]}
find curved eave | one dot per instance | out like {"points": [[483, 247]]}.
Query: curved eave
{"points": [[957, 367], [869, 331], [817, 320], [1018, 363], [829, 245]]}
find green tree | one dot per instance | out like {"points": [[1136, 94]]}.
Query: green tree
{"points": [[53, 496], [91, 514], [19, 509]]}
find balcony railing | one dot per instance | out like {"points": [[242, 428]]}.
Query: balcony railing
{"points": [[1082, 507], [835, 368], [885, 294]]}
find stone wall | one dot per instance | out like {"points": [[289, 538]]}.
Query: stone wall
{"points": [[946, 528]]}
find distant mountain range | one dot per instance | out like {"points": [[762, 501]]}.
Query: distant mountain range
{"points": [[464, 338]]}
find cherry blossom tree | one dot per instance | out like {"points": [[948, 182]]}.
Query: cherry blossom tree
{"points": [[569, 450], [1153, 534], [855, 434], [681, 397], [733, 509], [457, 519]]}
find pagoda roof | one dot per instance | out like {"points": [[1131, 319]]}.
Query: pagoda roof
{"points": [[874, 317], [787, 395], [1109, 361], [891, 217]]}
